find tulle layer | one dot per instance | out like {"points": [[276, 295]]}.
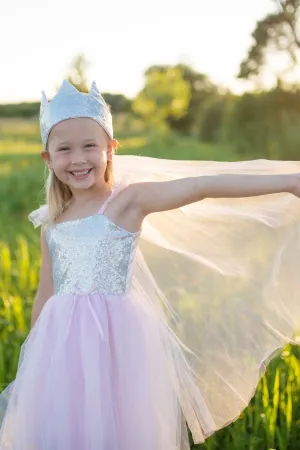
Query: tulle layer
{"points": [[94, 374], [226, 272], [218, 291]]}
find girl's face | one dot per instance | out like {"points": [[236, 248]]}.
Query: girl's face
{"points": [[76, 146]]}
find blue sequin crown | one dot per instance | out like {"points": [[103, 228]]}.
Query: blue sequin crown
{"points": [[69, 103]]}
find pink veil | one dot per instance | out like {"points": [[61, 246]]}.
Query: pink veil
{"points": [[222, 276]]}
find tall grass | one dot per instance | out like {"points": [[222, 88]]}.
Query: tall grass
{"points": [[18, 284], [271, 421]]}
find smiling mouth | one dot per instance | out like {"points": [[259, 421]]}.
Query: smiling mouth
{"points": [[80, 173]]}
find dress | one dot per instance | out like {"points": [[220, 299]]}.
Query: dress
{"points": [[93, 372], [150, 331]]}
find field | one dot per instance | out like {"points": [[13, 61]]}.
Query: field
{"points": [[272, 420]]}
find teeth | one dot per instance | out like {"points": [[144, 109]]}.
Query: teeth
{"points": [[80, 173]]}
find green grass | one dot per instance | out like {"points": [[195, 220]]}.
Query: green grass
{"points": [[272, 420]]}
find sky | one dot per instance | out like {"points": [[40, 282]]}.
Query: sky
{"points": [[121, 39]]}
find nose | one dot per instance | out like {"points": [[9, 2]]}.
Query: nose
{"points": [[82, 161], [77, 156]]}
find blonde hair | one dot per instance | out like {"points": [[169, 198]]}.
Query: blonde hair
{"points": [[58, 194]]}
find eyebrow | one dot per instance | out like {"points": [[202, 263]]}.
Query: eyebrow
{"points": [[68, 142]]}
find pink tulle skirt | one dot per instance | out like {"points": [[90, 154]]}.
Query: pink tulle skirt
{"points": [[93, 375]]}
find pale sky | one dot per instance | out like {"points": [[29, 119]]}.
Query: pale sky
{"points": [[121, 38]]}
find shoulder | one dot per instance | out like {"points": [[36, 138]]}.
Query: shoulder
{"points": [[126, 203], [128, 194]]}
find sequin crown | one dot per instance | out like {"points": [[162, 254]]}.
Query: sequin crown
{"points": [[69, 103]]}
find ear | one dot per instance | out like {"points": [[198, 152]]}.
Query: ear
{"points": [[46, 157], [113, 144], [110, 153]]}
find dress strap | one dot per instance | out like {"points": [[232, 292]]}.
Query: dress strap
{"points": [[117, 188], [104, 205]]}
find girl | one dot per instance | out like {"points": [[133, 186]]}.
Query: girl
{"points": [[142, 325]]}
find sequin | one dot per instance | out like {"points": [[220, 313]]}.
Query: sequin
{"points": [[91, 254]]}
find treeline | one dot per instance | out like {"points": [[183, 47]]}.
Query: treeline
{"points": [[264, 124], [118, 102], [19, 109], [179, 99]]}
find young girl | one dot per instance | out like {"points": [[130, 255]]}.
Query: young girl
{"points": [[144, 324]]}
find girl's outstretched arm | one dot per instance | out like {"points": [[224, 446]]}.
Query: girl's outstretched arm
{"points": [[152, 197], [45, 288]]}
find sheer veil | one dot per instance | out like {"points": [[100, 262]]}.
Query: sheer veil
{"points": [[222, 278]]}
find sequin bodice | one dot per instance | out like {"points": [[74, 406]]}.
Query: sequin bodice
{"points": [[91, 255]]}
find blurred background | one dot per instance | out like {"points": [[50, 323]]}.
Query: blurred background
{"points": [[199, 79]]}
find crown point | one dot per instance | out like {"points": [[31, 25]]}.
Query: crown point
{"points": [[44, 98], [70, 103], [67, 86], [94, 90]]}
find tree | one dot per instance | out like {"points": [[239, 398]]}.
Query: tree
{"points": [[119, 103], [201, 90], [191, 90], [77, 73], [276, 33], [165, 94], [212, 118]]}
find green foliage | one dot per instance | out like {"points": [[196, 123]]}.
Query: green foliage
{"points": [[255, 125], [77, 73], [20, 110], [277, 32], [213, 117], [271, 421], [22, 170], [19, 270], [165, 94], [118, 102], [177, 103], [272, 418], [266, 125], [181, 101], [202, 89]]}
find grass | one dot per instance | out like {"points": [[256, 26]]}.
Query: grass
{"points": [[271, 421]]}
